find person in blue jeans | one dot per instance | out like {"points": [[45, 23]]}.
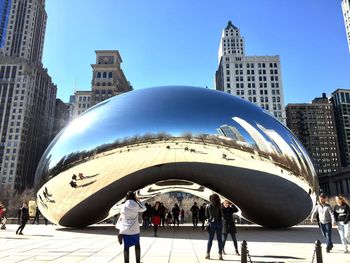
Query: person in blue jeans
{"points": [[214, 215], [325, 218]]}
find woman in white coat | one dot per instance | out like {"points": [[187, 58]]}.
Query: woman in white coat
{"points": [[128, 225]]}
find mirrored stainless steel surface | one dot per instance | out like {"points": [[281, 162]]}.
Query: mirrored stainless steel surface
{"points": [[210, 138]]}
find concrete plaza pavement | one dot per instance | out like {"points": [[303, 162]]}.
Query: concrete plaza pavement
{"points": [[184, 244]]}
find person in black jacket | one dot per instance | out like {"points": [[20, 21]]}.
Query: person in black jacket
{"points": [[201, 215], [24, 218], [228, 225], [195, 212], [176, 213], [214, 215], [342, 218]]}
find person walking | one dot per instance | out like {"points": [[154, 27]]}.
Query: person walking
{"points": [[324, 213], [195, 211], [228, 224], [213, 213], [176, 213], [342, 218], [128, 225], [156, 217], [201, 215], [24, 218]]}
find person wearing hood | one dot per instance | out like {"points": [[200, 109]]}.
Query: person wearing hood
{"points": [[128, 225]]}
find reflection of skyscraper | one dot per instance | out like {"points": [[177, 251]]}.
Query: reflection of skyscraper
{"points": [[258, 138], [231, 132]]}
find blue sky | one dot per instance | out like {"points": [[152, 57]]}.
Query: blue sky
{"points": [[164, 42]]}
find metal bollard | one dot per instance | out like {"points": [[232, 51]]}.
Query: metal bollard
{"points": [[318, 251], [244, 252]]}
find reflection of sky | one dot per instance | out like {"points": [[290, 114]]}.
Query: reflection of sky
{"points": [[163, 109]]}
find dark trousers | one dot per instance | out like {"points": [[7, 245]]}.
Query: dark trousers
{"points": [[326, 230], [36, 219], [176, 220], [215, 227], [137, 254], [195, 220], [233, 235], [21, 227], [162, 220]]}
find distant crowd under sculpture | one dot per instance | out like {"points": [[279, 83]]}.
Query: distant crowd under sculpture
{"points": [[179, 138]]}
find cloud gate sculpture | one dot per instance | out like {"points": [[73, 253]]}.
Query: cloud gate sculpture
{"points": [[177, 137]]}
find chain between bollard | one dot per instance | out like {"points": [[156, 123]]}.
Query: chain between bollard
{"points": [[250, 259]]}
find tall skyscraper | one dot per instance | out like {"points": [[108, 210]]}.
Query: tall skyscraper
{"points": [[346, 13], [314, 125], [4, 12], [254, 78], [108, 80], [341, 104], [27, 93]]}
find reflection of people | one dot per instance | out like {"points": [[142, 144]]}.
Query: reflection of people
{"points": [[342, 218], [24, 218], [128, 225], [228, 225], [81, 176], [325, 216], [195, 211], [214, 215], [73, 182]]}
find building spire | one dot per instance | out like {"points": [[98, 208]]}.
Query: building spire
{"points": [[229, 25]]}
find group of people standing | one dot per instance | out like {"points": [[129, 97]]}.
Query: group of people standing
{"points": [[220, 222], [158, 215], [338, 216]]}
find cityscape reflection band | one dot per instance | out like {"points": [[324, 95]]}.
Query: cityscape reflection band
{"points": [[188, 139]]}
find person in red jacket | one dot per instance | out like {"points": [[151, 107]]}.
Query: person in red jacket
{"points": [[2, 216]]}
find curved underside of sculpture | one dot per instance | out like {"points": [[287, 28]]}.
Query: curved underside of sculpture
{"points": [[191, 139]]}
